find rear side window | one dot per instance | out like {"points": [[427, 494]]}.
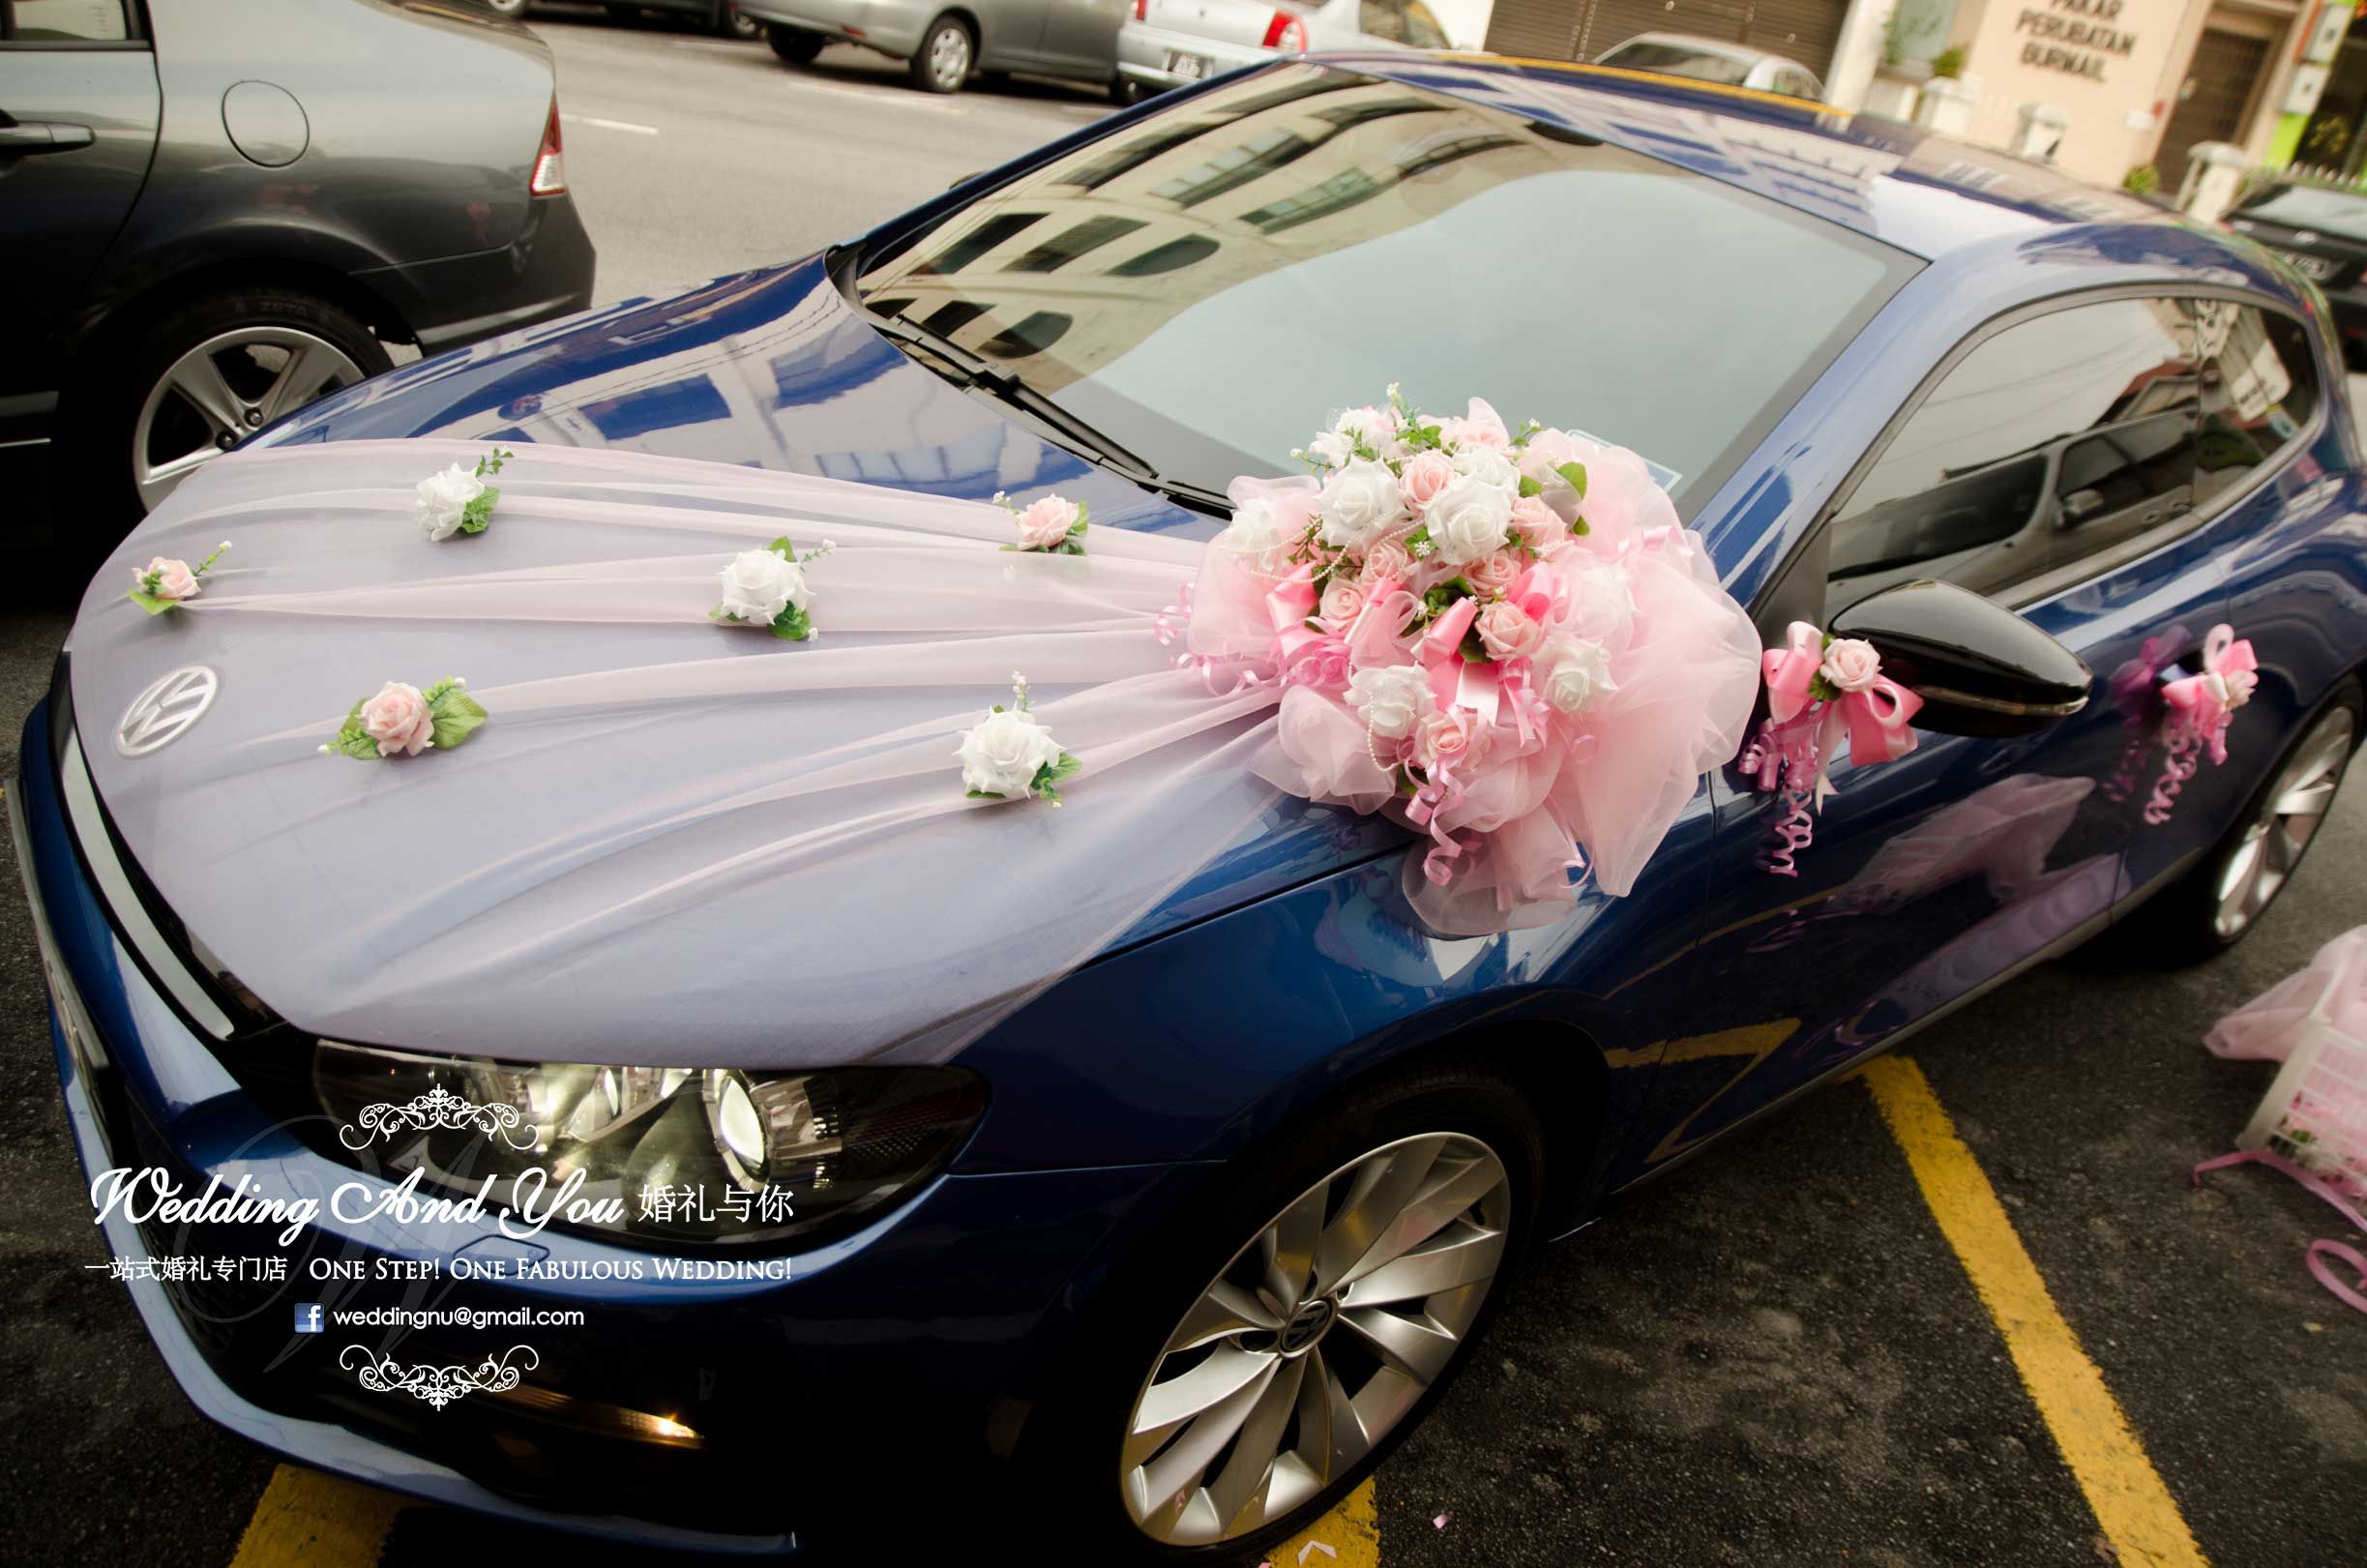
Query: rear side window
{"points": [[63, 21], [2072, 440]]}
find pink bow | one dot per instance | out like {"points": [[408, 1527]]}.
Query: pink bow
{"points": [[1288, 606], [1876, 716], [1453, 680], [2202, 705]]}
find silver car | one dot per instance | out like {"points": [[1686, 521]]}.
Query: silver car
{"points": [[1171, 42], [943, 46], [1707, 59]]}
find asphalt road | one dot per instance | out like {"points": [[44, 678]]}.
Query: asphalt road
{"points": [[1773, 1356]]}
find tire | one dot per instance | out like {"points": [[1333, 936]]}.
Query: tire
{"points": [[943, 62], [729, 23], [148, 398], [795, 44], [1125, 92], [1432, 1126], [2216, 905], [511, 8]]}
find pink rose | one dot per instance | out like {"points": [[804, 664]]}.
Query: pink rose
{"points": [[1445, 736], [1508, 632], [173, 578], [1480, 426], [1494, 574], [1852, 665], [1342, 602], [1045, 524], [399, 721], [1385, 560], [1426, 474], [1539, 525]]}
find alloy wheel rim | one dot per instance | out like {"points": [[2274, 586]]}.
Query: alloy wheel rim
{"points": [[223, 390], [2288, 819], [949, 56], [1315, 1339]]}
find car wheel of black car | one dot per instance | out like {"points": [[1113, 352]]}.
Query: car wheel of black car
{"points": [[942, 63], [795, 44], [731, 22], [1284, 1334], [1125, 91], [190, 384], [2216, 905]]}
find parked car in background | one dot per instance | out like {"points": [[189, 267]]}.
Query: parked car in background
{"points": [[1173, 43], [1709, 59], [721, 16], [2020, 433], [2321, 231], [215, 211], [944, 45]]}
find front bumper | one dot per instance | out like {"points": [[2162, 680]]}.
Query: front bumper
{"points": [[918, 1338], [1144, 51]]}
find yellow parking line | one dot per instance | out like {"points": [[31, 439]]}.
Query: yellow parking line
{"points": [[1351, 1530], [2132, 1505], [315, 1520]]}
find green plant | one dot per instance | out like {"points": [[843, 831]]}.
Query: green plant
{"points": [[1949, 62], [2142, 179]]}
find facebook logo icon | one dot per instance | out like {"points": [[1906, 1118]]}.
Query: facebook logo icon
{"points": [[307, 1318]]}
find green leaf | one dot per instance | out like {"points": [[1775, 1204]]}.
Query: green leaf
{"points": [[352, 740], [1068, 768], [149, 601], [782, 547], [792, 624], [983, 795], [456, 715], [1529, 486], [1822, 690], [1574, 475], [479, 512], [1578, 526]]}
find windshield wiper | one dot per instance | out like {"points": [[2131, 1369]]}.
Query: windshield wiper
{"points": [[966, 369]]}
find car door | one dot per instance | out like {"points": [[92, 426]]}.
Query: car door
{"points": [[2060, 463], [78, 108], [1078, 38]]}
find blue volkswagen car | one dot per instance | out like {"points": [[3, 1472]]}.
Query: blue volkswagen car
{"points": [[1177, 1249]]}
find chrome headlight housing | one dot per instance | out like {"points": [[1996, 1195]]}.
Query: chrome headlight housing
{"points": [[707, 1157]]}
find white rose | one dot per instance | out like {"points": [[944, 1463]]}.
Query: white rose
{"points": [[1390, 699], [1469, 518], [1576, 670], [443, 499], [1255, 533], [1488, 464], [760, 583], [1360, 503], [1002, 754]]}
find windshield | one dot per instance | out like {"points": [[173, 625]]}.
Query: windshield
{"points": [[2329, 211], [1206, 288]]}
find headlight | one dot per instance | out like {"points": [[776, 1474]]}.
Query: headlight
{"points": [[714, 1157]]}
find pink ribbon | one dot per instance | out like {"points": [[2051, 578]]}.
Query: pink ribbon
{"points": [[2202, 705], [2316, 1260], [1876, 717]]}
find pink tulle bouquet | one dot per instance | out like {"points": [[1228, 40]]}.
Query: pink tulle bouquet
{"points": [[1504, 637]]}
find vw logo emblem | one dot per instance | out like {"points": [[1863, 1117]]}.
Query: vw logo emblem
{"points": [[158, 716]]}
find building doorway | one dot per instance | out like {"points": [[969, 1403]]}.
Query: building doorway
{"points": [[2220, 81]]}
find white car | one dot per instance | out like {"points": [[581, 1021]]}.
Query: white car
{"points": [[1175, 42], [1707, 59]]}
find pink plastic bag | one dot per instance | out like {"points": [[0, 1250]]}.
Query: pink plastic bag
{"points": [[2269, 1026]]}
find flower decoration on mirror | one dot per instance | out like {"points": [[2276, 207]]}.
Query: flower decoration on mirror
{"points": [[1821, 690], [165, 584], [1054, 525], [1009, 755], [767, 587], [403, 720], [458, 500], [2199, 709]]}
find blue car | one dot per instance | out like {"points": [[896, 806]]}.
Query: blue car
{"points": [[1178, 1247]]}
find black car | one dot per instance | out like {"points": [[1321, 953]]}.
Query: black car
{"points": [[721, 16], [214, 211], [2323, 231]]}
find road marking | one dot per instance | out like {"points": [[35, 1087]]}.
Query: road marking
{"points": [[2132, 1505], [318, 1520], [609, 125], [1350, 1532]]}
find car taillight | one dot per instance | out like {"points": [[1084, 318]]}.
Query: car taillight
{"points": [[1142, 10], [549, 164], [1285, 33]]}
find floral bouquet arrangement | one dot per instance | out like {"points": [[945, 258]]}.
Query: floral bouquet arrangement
{"points": [[1503, 637]]}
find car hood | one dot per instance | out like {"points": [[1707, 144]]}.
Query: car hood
{"points": [[592, 885]]}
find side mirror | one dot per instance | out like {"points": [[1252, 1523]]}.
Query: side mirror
{"points": [[1981, 669], [2081, 505]]}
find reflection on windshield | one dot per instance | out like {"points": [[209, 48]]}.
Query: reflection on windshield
{"points": [[1207, 286]]}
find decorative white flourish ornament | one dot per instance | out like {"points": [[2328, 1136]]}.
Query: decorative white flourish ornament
{"points": [[436, 1386]]}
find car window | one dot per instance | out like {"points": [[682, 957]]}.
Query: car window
{"points": [[1384, 19], [1307, 235], [2342, 213], [1677, 61], [63, 21], [2070, 438], [1422, 29], [1793, 82]]}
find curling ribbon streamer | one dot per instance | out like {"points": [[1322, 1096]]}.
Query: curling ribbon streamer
{"points": [[2322, 1250]]}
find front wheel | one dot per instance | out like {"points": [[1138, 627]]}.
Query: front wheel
{"points": [[945, 56], [795, 44], [1289, 1358]]}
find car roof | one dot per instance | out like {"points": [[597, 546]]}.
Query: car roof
{"points": [[1907, 187]]}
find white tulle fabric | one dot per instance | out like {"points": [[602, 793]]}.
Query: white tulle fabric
{"points": [[773, 834]]}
